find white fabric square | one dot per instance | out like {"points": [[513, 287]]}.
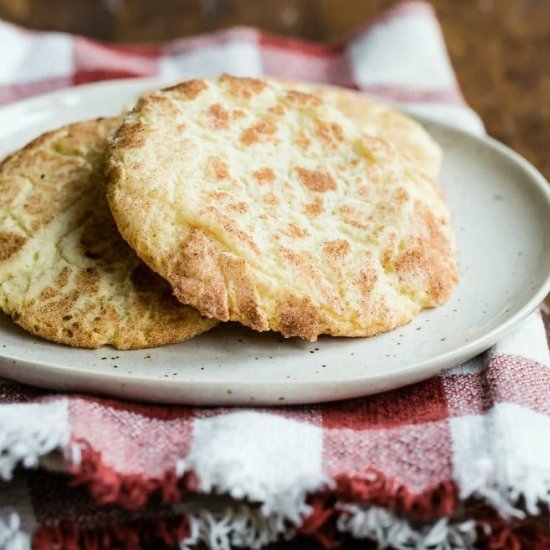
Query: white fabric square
{"points": [[30, 57], [527, 340], [405, 51], [259, 456], [29, 431], [457, 115], [236, 58], [503, 455]]}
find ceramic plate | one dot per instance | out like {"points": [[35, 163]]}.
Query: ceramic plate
{"points": [[501, 210]]}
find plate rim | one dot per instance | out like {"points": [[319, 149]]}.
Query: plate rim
{"points": [[425, 369]]}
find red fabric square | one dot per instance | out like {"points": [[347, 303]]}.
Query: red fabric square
{"points": [[133, 439], [416, 404], [95, 61]]}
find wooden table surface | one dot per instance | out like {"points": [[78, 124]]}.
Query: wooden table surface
{"points": [[500, 48]]}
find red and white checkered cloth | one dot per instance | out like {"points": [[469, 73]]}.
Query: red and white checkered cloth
{"points": [[459, 461]]}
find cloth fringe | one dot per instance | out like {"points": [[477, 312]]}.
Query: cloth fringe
{"points": [[11, 535], [29, 432]]}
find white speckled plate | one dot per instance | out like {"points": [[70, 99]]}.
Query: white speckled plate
{"points": [[501, 209]]}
